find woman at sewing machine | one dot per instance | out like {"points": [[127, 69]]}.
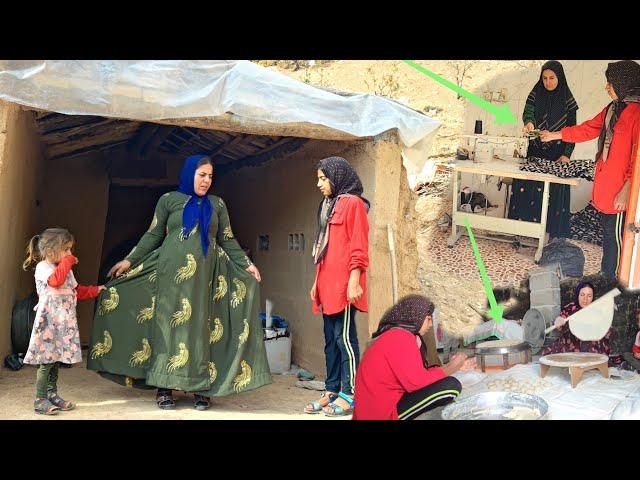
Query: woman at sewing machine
{"points": [[583, 296], [550, 106]]}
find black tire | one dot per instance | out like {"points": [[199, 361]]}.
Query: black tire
{"points": [[22, 319]]}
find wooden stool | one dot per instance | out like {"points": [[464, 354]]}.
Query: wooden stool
{"points": [[577, 363]]}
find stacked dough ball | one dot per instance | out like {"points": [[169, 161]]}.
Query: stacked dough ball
{"points": [[512, 384]]}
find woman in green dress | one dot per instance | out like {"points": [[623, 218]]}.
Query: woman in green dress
{"points": [[181, 312]]}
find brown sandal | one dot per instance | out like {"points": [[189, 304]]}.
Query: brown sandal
{"points": [[42, 406]]}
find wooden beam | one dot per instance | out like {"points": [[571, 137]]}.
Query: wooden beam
{"points": [[104, 136], [156, 140], [92, 148], [291, 145], [233, 124], [73, 133], [60, 122], [143, 135], [229, 143]]}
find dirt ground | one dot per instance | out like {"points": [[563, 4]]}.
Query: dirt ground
{"points": [[100, 399]]}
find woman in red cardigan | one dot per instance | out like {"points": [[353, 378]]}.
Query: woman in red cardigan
{"points": [[393, 381], [616, 127], [341, 255]]}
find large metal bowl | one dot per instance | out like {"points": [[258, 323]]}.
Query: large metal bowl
{"points": [[496, 406]]}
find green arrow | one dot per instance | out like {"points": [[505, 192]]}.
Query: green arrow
{"points": [[496, 310], [503, 114]]}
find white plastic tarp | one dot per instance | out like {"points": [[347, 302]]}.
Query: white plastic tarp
{"points": [[164, 89]]}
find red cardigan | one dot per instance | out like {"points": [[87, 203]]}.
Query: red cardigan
{"points": [[348, 249], [59, 275], [610, 175], [391, 367]]}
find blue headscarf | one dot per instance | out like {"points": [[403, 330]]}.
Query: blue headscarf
{"points": [[194, 213]]}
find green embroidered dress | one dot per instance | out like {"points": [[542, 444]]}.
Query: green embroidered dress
{"points": [[177, 319]]}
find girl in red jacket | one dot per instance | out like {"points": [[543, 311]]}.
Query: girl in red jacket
{"points": [[617, 127], [393, 380], [341, 255], [55, 338]]}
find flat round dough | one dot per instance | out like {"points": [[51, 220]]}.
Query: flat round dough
{"points": [[499, 344], [593, 322], [574, 359]]}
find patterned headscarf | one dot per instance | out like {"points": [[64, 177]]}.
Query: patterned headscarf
{"points": [[344, 181], [624, 77], [409, 314], [551, 107], [194, 213]]}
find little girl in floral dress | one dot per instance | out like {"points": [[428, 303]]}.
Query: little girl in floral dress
{"points": [[54, 338]]}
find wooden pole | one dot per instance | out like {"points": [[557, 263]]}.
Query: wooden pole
{"points": [[394, 269], [629, 271]]}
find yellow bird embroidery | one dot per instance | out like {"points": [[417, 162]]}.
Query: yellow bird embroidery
{"points": [[213, 372], [134, 272], [102, 348], [221, 203], [147, 313], [217, 332], [222, 253], [245, 333], [154, 223], [186, 272], [183, 315], [221, 289], [141, 356], [128, 381], [183, 237], [227, 233], [153, 276], [179, 360], [111, 303], [244, 378], [239, 293]]}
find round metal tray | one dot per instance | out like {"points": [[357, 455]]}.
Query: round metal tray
{"points": [[495, 406], [514, 348]]}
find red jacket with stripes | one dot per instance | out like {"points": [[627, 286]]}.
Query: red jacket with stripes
{"points": [[347, 249], [391, 367], [610, 175]]}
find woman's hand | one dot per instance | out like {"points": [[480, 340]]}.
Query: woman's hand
{"points": [[119, 268], [622, 198], [528, 127], [253, 270], [101, 288], [469, 364], [636, 355], [559, 322], [564, 159], [547, 136], [354, 290], [313, 293], [455, 363]]}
